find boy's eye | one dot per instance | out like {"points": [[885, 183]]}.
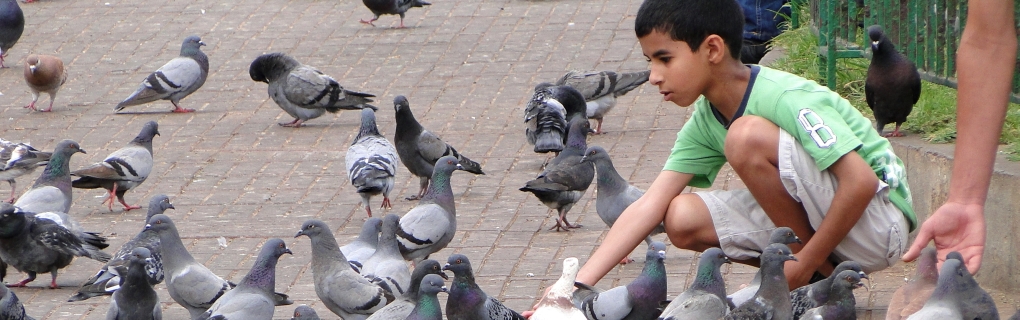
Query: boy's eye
{"points": [[665, 59]]}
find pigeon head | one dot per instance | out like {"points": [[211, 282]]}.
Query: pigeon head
{"points": [[369, 230], [149, 130], [577, 137], [878, 40], [140, 255], [191, 44], [12, 221], [312, 228], [852, 266], [459, 265], [927, 264], [160, 223], [954, 255], [431, 284], [448, 164], [32, 62], [594, 154], [848, 279], [305, 312], [275, 248], [368, 126], [570, 266], [68, 147], [400, 104], [656, 250], [571, 99], [158, 204], [271, 66], [784, 235], [778, 252], [426, 267], [713, 257]]}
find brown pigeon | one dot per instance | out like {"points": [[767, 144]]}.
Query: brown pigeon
{"points": [[912, 295], [44, 73]]}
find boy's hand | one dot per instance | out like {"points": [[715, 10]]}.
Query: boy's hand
{"points": [[527, 314], [954, 227]]}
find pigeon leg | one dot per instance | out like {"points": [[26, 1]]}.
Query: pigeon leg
{"points": [[113, 195], [896, 132], [626, 260], [50, 108], [23, 283], [598, 126], [295, 124], [53, 282], [423, 185], [11, 200], [563, 217], [2, 56], [401, 21], [127, 207], [369, 22], [368, 209], [31, 105], [386, 203], [178, 109]]}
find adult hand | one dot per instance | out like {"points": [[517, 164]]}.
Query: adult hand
{"points": [[954, 227]]}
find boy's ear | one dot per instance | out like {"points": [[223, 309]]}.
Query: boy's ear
{"points": [[716, 48]]}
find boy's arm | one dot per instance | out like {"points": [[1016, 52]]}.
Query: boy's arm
{"points": [[857, 185], [636, 222]]}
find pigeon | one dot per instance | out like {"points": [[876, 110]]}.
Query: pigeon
{"points": [[912, 295], [893, 84], [467, 301], [427, 307], [547, 114], [10, 307], [614, 193], [52, 190], [254, 296], [122, 170], [430, 225], [107, 280], [44, 73], [782, 235], [136, 299], [371, 163], [706, 297], [637, 300], [1016, 316], [189, 283], [302, 91], [566, 179], [556, 304], [419, 149], [359, 250], [841, 304], [398, 7], [387, 265], [344, 292], [12, 25], [304, 312], [175, 80], [35, 243], [772, 301], [18, 159], [817, 294], [402, 307], [600, 89], [974, 301]]}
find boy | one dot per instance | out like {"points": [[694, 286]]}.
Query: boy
{"points": [[810, 161]]}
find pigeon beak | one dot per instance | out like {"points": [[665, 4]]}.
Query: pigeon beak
{"points": [[31, 69], [584, 158], [148, 226], [792, 257], [796, 238], [200, 43], [460, 167], [287, 251], [443, 274], [82, 151], [727, 260], [148, 260], [299, 233], [863, 275], [446, 267], [662, 254], [443, 289], [171, 206], [874, 45]]}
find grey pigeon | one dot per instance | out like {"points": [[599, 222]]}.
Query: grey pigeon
{"points": [[360, 249], [705, 299], [402, 307], [566, 178], [1016, 316], [817, 294], [419, 149], [107, 280], [638, 300], [122, 170], [44, 73], [371, 163], [386, 265], [427, 307], [467, 301], [302, 91], [957, 295], [189, 283], [430, 225], [12, 25], [35, 243], [556, 304], [772, 301], [10, 307], [398, 7], [18, 159], [841, 304], [175, 80], [893, 84], [136, 299], [547, 115], [912, 295], [614, 193], [342, 290], [52, 190], [304, 312], [254, 297], [782, 235], [600, 89]]}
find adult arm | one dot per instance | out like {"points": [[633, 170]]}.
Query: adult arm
{"points": [[984, 69]]}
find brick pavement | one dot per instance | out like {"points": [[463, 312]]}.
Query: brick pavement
{"points": [[467, 67]]}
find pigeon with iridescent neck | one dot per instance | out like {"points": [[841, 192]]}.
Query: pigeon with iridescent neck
{"points": [[430, 225], [637, 300], [52, 190], [706, 297]]}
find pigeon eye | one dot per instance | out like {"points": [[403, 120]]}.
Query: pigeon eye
{"points": [[458, 261]]}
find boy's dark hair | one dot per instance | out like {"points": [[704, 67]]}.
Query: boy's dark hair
{"points": [[692, 21]]}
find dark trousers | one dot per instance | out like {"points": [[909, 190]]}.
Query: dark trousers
{"points": [[752, 51]]}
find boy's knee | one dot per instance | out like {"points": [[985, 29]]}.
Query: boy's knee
{"points": [[689, 224], [750, 138]]}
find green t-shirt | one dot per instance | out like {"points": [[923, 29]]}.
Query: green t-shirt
{"points": [[824, 123]]}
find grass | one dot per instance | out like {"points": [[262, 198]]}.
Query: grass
{"points": [[934, 115]]}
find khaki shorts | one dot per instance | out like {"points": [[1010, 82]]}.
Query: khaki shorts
{"points": [[877, 240]]}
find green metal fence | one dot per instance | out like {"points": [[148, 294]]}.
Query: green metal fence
{"points": [[926, 31]]}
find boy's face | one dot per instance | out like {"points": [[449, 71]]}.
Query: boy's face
{"points": [[680, 73]]}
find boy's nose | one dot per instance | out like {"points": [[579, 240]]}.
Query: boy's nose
{"points": [[654, 78]]}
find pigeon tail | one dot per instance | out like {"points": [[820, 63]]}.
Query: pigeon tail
{"points": [[469, 165], [549, 141]]}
